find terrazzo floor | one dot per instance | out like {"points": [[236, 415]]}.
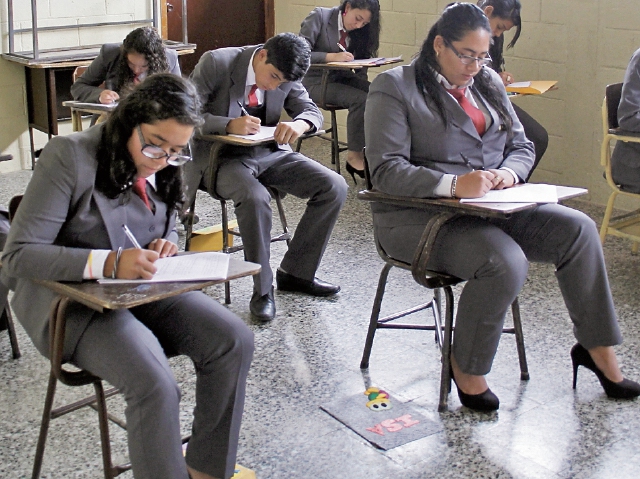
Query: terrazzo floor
{"points": [[310, 355]]}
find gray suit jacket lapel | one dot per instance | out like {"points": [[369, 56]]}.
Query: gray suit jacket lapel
{"points": [[114, 217], [238, 82]]}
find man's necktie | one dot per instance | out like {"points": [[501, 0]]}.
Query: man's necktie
{"points": [[140, 189], [477, 117], [253, 98], [343, 38]]}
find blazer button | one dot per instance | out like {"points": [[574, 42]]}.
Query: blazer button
{"points": [[152, 229]]}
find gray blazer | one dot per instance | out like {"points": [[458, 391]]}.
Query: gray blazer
{"points": [[60, 220], [220, 77], [320, 29], [625, 160], [104, 70], [409, 149]]}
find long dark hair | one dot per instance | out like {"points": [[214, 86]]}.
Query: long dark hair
{"points": [[456, 21], [159, 97], [146, 42], [364, 42], [507, 10]]}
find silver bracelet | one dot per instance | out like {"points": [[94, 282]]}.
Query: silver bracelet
{"points": [[115, 263], [454, 182]]}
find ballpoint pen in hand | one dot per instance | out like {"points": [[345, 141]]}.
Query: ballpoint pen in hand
{"points": [[243, 109], [342, 48], [132, 238]]}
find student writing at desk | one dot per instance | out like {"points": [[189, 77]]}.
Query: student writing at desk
{"points": [[503, 16], [263, 79], [443, 127], [625, 159], [119, 67], [127, 171], [341, 34]]}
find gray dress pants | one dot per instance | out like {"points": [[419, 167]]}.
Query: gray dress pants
{"points": [[127, 348], [243, 181], [493, 256]]}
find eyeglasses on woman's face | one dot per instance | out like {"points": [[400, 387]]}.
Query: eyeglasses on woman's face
{"points": [[467, 59], [156, 153]]}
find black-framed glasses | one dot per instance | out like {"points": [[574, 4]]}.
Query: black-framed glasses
{"points": [[467, 59], [156, 153]]}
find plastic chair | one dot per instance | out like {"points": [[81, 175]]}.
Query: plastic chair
{"points": [[433, 281], [226, 231], [626, 225]]}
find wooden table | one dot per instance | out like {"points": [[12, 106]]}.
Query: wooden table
{"points": [[101, 296], [78, 108]]}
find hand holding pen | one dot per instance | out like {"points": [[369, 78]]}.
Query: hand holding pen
{"points": [[245, 124], [342, 56]]}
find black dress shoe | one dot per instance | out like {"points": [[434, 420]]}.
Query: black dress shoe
{"points": [[287, 282], [263, 308]]}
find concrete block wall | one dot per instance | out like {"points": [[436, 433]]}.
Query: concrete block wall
{"points": [[584, 44], [14, 137]]}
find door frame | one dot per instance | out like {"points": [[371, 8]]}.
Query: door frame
{"points": [[269, 18]]}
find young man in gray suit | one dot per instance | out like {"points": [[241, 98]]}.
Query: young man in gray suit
{"points": [[241, 89]]}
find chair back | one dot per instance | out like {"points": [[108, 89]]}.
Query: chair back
{"points": [[77, 73], [613, 94], [13, 206]]}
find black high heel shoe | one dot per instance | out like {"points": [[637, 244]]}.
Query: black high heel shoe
{"points": [[353, 172], [484, 402], [625, 389]]}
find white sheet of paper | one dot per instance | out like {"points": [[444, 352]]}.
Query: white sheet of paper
{"points": [[529, 193], [203, 266], [520, 84], [265, 133]]}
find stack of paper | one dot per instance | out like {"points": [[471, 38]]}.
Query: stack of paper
{"points": [[529, 193]]}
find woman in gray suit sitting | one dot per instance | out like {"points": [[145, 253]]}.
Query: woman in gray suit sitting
{"points": [[443, 127], [118, 68], [87, 181], [342, 34]]}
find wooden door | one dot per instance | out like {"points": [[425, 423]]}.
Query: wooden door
{"points": [[214, 24]]}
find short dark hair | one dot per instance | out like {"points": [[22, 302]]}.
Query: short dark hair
{"points": [[364, 42], [290, 54], [162, 96], [456, 21], [146, 42], [507, 10]]}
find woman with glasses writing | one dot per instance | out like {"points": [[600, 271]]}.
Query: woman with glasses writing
{"points": [[443, 127], [126, 171]]}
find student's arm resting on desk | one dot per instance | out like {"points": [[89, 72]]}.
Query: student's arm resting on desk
{"points": [[409, 150], [44, 223], [311, 30], [87, 87], [629, 108]]}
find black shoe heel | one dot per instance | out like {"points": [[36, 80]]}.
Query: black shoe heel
{"points": [[484, 402], [353, 172], [625, 389]]}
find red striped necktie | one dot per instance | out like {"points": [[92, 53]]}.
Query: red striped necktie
{"points": [[477, 117]]}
